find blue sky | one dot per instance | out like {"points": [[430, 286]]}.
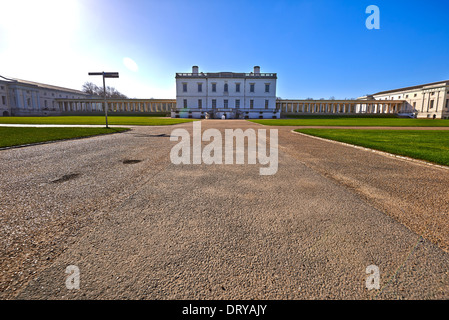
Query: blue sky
{"points": [[318, 48]]}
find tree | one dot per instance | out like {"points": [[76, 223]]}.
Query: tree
{"points": [[94, 90], [90, 88]]}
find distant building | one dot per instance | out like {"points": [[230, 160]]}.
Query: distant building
{"points": [[229, 94], [27, 98], [214, 95], [429, 100]]}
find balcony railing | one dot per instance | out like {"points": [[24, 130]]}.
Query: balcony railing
{"points": [[226, 75]]}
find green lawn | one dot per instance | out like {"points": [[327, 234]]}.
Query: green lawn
{"points": [[96, 120], [20, 136], [355, 121], [431, 145]]}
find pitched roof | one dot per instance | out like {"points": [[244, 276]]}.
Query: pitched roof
{"points": [[43, 85], [445, 82]]}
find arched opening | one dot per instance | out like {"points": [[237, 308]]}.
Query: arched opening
{"points": [[5, 113]]}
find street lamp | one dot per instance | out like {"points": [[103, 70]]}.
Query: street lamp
{"points": [[105, 75]]}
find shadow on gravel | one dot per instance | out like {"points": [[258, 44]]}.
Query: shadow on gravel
{"points": [[142, 135], [129, 161], [66, 177]]}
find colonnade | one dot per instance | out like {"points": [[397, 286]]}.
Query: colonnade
{"points": [[339, 106], [122, 105]]}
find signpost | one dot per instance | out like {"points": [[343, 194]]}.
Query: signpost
{"points": [[105, 75]]}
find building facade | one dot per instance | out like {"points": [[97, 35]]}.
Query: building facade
{"points": [[214, 95], [27, 98], [429, 100], [226, 94]]}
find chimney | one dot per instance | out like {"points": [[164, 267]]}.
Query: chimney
{"points": [[195, 69], [257, 70]]}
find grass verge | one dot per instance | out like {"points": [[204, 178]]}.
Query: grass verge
{"points": [[96, 120], [431, 145], [356, 121], [21, 136]]}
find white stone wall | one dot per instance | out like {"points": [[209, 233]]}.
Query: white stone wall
{"points": [[192, 95], [27, 99], [4, 101], [420, 100], [207, 95]]}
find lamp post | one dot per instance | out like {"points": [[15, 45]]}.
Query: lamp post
{"points": [[105, 75]]}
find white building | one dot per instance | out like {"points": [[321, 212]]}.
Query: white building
{"points": [[233, 95], [429, 100], [27, 98]]}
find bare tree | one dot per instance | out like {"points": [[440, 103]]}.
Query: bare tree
{"points": [[90, 88], [111, 92]]}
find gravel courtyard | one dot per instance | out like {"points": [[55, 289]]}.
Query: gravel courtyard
{"points": [[140, 227]]}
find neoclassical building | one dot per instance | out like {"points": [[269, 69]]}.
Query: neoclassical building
{"points": [[26, 98], [229, 94], [430, 100], [234, 95]]}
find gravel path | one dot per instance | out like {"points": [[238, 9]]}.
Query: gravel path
{"points": [[154, 230]]}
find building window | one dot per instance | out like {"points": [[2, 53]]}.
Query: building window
{"points": [[431, 104], [225, 87], [184, 87], [447, 103], [266, 104], [4, 100], [237, 103], [225, 103], [200, 87], [251, 104], [214, 87], [45, 103], [200, 103], [433, 93], [185, 103], [29, 102], [237, 87], [267, 87], [414, 106], [2, 87], [251, 87], [415, 94], [406, 96], [214, 103]]}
